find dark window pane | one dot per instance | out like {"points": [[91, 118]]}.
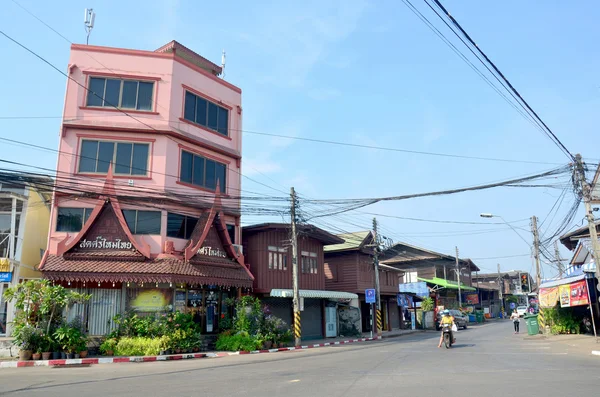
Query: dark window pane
{"points": [[87, 157], [140, 159], [130, 219], [201, 111], [129, 96], [105, 156], [145, 96], [185, 174], [95, 91], [86, 215], [198, 171], [123, 161], [113, 88], [212, 116], [148, 222], [220, 170], [69, 219], [189, 112], [190, 224], [231, 232], [210, 181], [223, 121], [175, 225]]}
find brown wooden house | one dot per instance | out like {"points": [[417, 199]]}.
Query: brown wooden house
{"points": [[438, 270], [349, 267], [268, 253]]}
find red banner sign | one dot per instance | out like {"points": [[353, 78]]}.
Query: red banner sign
{"points": [[579, 293], [472, 299]]}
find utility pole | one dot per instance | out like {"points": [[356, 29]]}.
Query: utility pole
{"points": [[536, 250], [559, 264], [501, 289], [376, 268], [458, 278], [296, 301], [586, 191]]}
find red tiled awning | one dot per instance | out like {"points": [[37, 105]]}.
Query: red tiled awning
{"points": [[165, 270]]}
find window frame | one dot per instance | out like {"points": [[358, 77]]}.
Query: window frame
{"points": [[122, 79], [223, 184], [310, 262], [83, 220], [209, 101], [185, 225], [134, 231], [115, 143], [277, 258]]}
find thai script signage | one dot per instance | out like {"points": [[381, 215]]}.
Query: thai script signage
{"points": [[103, 243], [210, 251]]}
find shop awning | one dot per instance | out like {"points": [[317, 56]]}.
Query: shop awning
{"points": [[590, 267], [562, 281], [440, 282], [311, 293]]}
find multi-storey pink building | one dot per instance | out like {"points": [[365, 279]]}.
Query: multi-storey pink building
{"points": [[146, 211]]}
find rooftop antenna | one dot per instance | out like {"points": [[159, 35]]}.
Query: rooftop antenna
{"points": [[223, 64], [88, 22]]}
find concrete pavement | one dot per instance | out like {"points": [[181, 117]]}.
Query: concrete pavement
{"points": [[487, 359]]}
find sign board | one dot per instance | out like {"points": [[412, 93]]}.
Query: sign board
{"points": [[401, 300], [4, 265], [301, 303], [5, 277], [370, 295], [413, 321], [419, 288], [472, 299], [513, 305]]}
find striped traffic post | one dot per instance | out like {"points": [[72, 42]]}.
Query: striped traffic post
{"points": [[379, 322], [297, 326]]}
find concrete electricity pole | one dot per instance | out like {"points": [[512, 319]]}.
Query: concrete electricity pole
{"points": [[536, 250], [458, 278], [376, 269], [586, 191], [297, 325], [558, 260], [501, 289]]}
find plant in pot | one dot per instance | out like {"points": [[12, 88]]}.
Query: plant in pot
{"points": [[165, 344], [24, 338], [70, 339], [108, 346]]}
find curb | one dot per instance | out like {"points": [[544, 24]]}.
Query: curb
{"points": [[173, 357]]}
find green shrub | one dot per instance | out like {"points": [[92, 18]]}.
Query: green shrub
{"points": [[139, 346], [109, 345], [241, 341], [427, 304]]}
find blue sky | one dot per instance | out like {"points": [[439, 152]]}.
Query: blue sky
{"points": [[365, 72]]}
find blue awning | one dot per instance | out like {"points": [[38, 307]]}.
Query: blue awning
{"points": [[590, 267], [562, 281]]}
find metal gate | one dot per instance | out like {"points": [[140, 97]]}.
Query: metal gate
{"points": [[312, 319], [394, 315], [103, 306], [280, 307]]}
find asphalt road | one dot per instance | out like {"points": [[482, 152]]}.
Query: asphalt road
{"points": [[487, 360]]}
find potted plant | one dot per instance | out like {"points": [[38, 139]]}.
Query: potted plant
{"points": [[24, 339], [108, 346]]}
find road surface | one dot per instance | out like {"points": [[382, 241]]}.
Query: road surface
{"points": [[487, 360]]}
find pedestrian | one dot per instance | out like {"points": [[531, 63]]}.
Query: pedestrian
{"points": [[515, 317]]}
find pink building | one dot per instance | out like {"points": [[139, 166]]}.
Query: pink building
{"points": [[146, 213]]}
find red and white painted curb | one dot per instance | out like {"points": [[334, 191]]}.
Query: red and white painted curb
{"points": [[143, 359]]}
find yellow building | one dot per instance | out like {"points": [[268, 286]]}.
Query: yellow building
{"points": [[24, 221]]}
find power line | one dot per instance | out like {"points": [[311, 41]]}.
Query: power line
{"points": [[548, 131]]}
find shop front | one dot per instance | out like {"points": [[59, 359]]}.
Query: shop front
{"points": [[320, 315]]}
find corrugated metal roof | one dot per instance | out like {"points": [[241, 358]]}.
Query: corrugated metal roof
{"points": [[447, 284], [351, 241], [562, 281], [309, 293]]}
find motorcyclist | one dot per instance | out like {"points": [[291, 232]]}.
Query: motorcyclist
{"points": [[446, 319]]}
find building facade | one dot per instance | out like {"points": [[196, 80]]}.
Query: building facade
{"points": [[24, 218], [146, 212], [269, 254], [349, 267]]}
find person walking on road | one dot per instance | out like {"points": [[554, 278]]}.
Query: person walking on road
{"points": [[515, 317]]}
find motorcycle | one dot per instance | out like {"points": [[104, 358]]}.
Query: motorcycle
{"points": [[447, 331]]}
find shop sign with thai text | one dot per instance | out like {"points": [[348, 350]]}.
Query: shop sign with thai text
{"points": [[102, 243]]}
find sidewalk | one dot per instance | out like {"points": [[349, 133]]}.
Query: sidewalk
{"points": [[137, 359]]}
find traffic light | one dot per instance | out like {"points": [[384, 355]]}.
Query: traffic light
{"points": [[524, 282]]}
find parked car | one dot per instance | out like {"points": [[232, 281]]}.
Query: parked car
{"points": [[521, 310], [460, 319]]}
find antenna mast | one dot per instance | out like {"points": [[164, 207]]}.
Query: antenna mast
{"points": [[88, 22], [223, 65]]}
